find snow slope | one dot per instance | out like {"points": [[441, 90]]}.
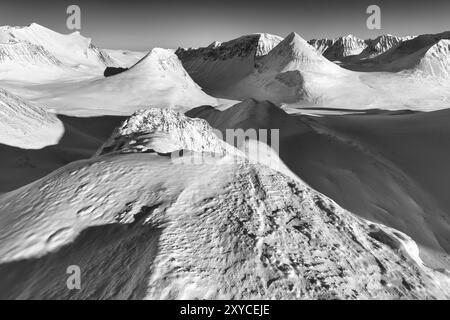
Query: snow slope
{"points": [[25, 52], [378, 167], [382, 44], [81, 139], [26, 125], [408, 54], [436, 60], [220, 65], [158, 80], [222, 228]]}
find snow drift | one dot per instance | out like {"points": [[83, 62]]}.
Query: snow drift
{"points": [[220, 229]]}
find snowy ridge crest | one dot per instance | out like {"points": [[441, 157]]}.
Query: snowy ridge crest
{"points": [[71, 49], [164, 131], [436, 61], [342, 47], [254, 45], [26, 52]]}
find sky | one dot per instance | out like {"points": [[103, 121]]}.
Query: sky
{"points": [[144, 24]]}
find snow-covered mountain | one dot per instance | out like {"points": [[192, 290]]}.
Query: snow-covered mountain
{"points": [[220, 65], [352, 48], [286, 73], [71, 49], [382, 44], [26, 125], [339, 48], [255, 45], [157, 80], [436, 60], [419, 55], [321, 45], [37, 54], [425, 53], [224, 228], [24, 52]]}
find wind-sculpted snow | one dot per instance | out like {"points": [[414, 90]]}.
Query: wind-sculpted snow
{"points": [[165, 131], [25, 125], [217, 229]]}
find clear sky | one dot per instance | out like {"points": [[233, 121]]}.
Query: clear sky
{"points": [[143, 24]]}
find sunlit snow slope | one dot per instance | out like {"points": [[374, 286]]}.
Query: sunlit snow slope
{"points": [[157, 80], [26, 125], [288, 72], [378, 166], [72, 49], [296, 75], [221, 227], [35, 54]]}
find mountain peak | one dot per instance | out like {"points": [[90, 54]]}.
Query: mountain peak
{"points": [[163, 59], [72, 49]]}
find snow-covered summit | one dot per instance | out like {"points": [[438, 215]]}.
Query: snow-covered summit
{"points": [[350, 46], [425, 52], [436, 60], [339, 48], [164, 131], [294, 53], [384, 43], [279, 72], [254, 45], [71, 49]]}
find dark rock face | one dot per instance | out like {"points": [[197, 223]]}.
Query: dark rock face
{"points": [[110, 71]]}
